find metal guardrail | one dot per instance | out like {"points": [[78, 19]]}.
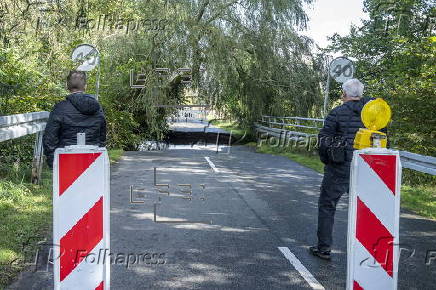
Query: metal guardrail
{"points": [[282, 133], [296, 122], [421, 163], [185, 114], [16, 126], [417, 162]]}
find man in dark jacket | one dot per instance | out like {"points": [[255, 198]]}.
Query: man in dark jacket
{"points": [[78, 113], [340, 128]]}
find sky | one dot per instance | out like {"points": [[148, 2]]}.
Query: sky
{"points": [[329, 16]]}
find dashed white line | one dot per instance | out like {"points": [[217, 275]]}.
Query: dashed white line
{"points": [[301, 269], [211, 164]]}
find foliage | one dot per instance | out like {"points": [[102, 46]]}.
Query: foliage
{"points": [[14, 154], [16, 157], [246, 57], [395, 51], [272, 68]]}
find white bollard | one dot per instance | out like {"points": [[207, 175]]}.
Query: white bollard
{"points": [[373, 221], [81, 218]]}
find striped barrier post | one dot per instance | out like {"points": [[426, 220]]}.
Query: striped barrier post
{"points": [[81, 218], [373, 222]]}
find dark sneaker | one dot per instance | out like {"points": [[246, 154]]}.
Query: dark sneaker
{"points": [[325, 255]]}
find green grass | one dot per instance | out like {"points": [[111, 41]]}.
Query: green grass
{"points": [[25, 214], [115, 155], [26, 217], [420, 199], [242, 134]]}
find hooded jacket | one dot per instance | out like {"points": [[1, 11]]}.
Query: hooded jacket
{"points": [[343, 121], [79, 113]]}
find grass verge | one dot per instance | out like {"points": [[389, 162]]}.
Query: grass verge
{"points": [[239, 134], [115, 155], [25, 214], [26, 218], [420, 199]]}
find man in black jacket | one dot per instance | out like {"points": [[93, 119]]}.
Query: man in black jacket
{"points": [[340, 128], [78, 113]]}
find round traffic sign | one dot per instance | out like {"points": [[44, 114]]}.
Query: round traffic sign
{"points": [[341, 69], [87, 57]]}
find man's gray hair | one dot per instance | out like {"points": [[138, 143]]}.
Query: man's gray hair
{"points": [[353, 88]]}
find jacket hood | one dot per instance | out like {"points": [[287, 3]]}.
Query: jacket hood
{"points": [[357, 106], [84, 103]]}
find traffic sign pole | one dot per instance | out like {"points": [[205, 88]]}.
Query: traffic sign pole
{"points": [[340, 69], [97, 85], [373, 221], [326, 97]]}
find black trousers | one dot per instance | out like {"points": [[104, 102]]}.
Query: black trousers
{"points": [[334, 184]]}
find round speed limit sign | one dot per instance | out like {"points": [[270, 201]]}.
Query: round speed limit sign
{"points": [[87, 57], [341, 69]]}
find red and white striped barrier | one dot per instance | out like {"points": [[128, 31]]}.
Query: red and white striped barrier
{"points": [[373, 222], [81, 218]]}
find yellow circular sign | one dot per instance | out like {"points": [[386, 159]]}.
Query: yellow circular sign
{"points": [[376, 114]]}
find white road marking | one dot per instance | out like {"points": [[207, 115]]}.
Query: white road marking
{"points": [[211, 164], [301, 269]]}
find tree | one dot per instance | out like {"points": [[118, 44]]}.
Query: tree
{"points": [[395, 49], [246, 57]]}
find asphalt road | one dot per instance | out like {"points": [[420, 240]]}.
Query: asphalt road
{"points": [[254, 204], [243, 207]]}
